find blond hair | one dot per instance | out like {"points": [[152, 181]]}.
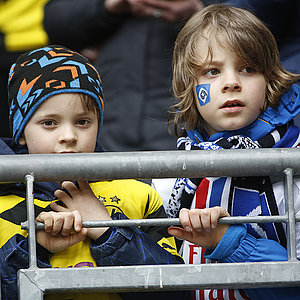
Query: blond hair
{"points": [[246, 36]]}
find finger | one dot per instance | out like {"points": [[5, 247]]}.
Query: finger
{"points": [[195, 219], [141, 11], [57, 224], [178, 232], [205, 219], [185, 219], [159, 4], [81, 235], [40, 217], [67, 224], [78, 237], [49, 222], [214, 217], [70, 187], [58, 208], [223, 212], [47, 219], [63, 196], [217, 213], [84, 185], [77, 220]]}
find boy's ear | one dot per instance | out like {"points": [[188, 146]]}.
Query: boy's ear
{"points": [[22, 140]]}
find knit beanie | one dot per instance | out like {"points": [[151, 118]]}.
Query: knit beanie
{"points": [[45, 72]]}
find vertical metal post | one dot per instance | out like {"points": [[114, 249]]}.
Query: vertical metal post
{"points": [[31, 221], [290, 211], [28, 288]]}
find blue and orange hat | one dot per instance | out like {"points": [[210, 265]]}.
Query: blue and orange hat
{"points": [[45, 72]]}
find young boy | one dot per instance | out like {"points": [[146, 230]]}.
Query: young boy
{"points": [[232, 93], [56, 106]]}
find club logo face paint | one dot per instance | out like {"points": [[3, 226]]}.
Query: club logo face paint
{"points": [[203, 95]]}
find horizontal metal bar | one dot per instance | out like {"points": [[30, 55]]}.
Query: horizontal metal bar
{"points": [[155, 164], [168, 277], [169, 222]]}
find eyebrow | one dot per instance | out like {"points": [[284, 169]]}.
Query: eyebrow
{"points": [[47, 115], [55, 115], [215, 63]]}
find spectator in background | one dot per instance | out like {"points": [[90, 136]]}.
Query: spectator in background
{"points": [[282, 18], [136, 40], [21, 29]]}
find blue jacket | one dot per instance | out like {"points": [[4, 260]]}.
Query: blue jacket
{"points": [[239, 246]]}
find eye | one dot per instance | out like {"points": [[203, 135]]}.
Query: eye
{"points": [[48, 123], [212, 72], [83, 122], [248, 70]]}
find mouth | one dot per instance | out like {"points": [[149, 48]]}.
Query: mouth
{"points": [[232, 103], [66, 152], [232, 106]]}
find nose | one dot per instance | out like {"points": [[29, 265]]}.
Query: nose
{"points": [[232, 83], [68, 135]]}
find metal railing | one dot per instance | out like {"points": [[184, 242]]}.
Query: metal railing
{"points": [[35, 282]]}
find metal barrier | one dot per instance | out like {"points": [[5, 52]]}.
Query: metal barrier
{"points": [[35, 282]]}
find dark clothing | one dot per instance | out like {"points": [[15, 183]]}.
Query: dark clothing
{"points": [[282, 18], [134, 64]]}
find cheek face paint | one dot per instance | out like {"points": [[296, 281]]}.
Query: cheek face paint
{"points": [[202, 92]]}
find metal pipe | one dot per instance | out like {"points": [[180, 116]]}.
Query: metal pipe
{"points": [[290, 211], [31, 222], [168, 222], [156, 164]]}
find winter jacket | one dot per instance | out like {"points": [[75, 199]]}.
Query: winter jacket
{"points": [[239, 246]]}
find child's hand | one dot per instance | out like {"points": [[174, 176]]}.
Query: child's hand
{"points": [[83, 200], [57, 235], [200, 226]]}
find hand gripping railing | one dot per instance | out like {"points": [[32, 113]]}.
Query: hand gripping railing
{"points": [[35, 282]]}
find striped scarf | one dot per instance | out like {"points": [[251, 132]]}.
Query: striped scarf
{"points": [[185, 188]]}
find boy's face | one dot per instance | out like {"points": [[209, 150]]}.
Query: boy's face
{"points": [[61, 125], [230, 94]]}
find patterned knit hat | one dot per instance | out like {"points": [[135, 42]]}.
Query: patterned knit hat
{"points": [[42, 73]]}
